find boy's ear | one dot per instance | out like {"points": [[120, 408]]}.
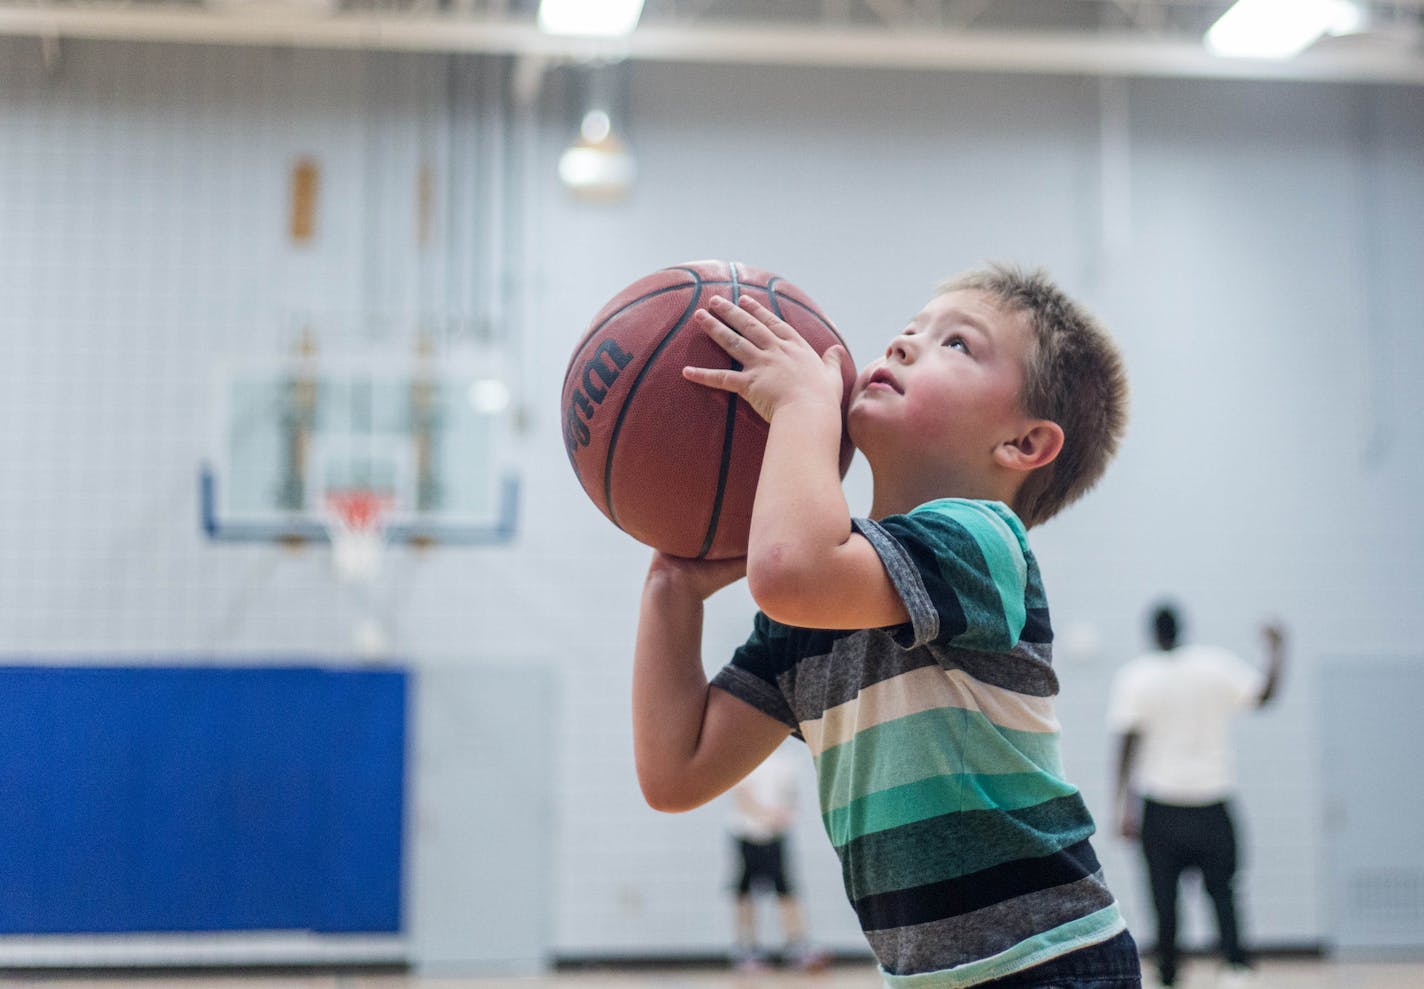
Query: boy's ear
{"points": [[1037, 446]]}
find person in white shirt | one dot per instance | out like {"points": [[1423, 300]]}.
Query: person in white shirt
{"points": [[764, 806], [1173, 710]]}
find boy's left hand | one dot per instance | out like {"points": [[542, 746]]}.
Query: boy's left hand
{"points": [[778, 367]]}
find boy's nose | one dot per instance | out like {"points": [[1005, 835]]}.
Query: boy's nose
{"points": [[899, 350]]}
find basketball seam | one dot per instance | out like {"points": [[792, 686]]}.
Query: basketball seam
{"points": [[727, 435], [697, 282], [820, 317], [592, 330], [627, 402], [738, 285]]}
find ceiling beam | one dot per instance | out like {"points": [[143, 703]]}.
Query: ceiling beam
{"points": [[1117, 53]]}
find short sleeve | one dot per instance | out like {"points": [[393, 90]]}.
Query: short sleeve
{"points": [[1241, 682], [962, 569], [1124, 706], [755, 672]]}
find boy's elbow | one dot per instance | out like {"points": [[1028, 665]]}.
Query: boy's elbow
{"points": [[668, 796], [770, 600], [778, 582], [667, 803]]}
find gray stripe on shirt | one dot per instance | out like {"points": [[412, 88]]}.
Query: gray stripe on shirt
{"points": [[984, 933]]}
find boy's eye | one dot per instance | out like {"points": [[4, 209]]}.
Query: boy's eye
{"points": [[957, 342]]}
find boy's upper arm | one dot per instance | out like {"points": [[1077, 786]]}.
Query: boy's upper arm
{"points": [[851, 591], [733, 740], [745, 718], [736, 738], [953, 570]]}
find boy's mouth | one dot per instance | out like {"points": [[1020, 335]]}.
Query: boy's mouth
{"points": [[883, 377]]}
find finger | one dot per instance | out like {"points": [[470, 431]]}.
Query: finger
{"points": [[724, 336], [714, 377], [763, 315], [835, 356], [748, 323]]}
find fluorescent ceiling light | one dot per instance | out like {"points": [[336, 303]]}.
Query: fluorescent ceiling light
{"points": [[605, 18], [597, 167], [488, 396], [1279, 28]]}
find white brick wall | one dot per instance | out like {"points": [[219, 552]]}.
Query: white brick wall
{"points": [[1267, 306]]}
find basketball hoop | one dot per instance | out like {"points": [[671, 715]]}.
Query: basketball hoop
{"points": [[355, 520]]}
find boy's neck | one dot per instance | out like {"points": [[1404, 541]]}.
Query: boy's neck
{"points": [[898, 495]]}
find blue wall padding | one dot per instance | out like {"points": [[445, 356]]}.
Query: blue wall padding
{"points": [[197, 799]]}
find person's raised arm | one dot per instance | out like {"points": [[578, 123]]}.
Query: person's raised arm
{"points": [[1276, 652], [691, 741], [805, 565]]}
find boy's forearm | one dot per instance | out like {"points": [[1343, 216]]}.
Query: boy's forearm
{"points": [[805, 564], [800, 516], [690, 742], [669, 685]]}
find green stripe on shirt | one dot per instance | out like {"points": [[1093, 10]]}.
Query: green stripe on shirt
{"points": [[937, 796], [999, 545], [893, 753]]}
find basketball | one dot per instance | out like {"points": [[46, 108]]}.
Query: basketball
{"points": [[672, 463]]}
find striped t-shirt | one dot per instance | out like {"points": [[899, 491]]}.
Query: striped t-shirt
{"points": [[964, 851]]}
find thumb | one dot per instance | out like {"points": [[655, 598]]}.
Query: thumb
{"points": [[838, 363]]}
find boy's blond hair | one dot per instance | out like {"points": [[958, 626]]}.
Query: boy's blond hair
{"points": [[1073, 376]]}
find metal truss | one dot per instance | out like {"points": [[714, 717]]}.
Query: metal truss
{"points": [[1085, 37]]}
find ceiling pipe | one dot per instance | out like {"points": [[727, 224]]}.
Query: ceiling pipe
{"points": [[1119, 53]]}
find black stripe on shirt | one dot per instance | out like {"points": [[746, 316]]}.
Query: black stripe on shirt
{"points": [[1037, 628], [950, 843], [976, 890]]}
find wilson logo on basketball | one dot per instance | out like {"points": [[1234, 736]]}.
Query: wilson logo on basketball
{"points": [[607, 362], [672, 463]]}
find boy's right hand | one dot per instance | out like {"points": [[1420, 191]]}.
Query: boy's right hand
{"points": [[702, 578]]}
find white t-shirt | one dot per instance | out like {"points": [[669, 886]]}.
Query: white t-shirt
{"points": [[1181, 703], [771, 807]]}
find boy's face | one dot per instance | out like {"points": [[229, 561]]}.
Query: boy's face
{"points": [[951, 383]]}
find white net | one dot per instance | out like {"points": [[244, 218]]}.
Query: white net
{"points": [[355, 521]]}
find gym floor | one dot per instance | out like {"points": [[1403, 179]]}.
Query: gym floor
{"points": [[1199, 974]]}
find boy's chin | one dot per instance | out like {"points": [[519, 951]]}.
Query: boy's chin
{"points": [[865, 425], [864, 439]]}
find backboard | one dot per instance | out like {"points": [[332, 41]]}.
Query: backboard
{"points": [[428, 439]]}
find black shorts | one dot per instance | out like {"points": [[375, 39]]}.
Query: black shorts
{"points": [[762, 865]]}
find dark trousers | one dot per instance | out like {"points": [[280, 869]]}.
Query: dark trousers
{"points": [[1175, 839]]}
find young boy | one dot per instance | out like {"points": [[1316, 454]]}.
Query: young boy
{"points": [[910, 650]]}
